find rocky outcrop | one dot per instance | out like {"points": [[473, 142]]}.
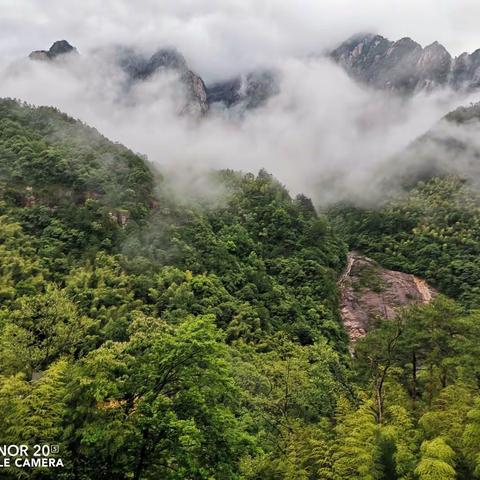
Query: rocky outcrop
{"points": [[140, 68], [369, 292], [247, 91], [242, 92], [58, 49], [404, 66]]}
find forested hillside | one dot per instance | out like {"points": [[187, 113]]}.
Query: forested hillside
{"points": [[433, 232], [153, 338]]}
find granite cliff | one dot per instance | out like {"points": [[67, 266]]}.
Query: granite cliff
{"points": [[369, 292], [405, 66]]}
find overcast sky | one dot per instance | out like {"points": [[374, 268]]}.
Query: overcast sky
{"points": [[222, 36]]}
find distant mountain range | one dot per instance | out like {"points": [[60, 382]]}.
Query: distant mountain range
{"points": [[241, 92], [404, 66]]}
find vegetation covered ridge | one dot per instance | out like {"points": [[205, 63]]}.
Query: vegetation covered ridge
{"points": [[150, 337]]}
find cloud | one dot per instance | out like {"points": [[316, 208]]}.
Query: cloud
{"points": [[220, 37], [322, 135]]}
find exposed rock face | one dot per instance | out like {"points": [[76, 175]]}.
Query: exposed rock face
{"points": [[167, 59], [466, 70], [197, 92], [369, 292], [58, 49], [248, 91], [404, 66]]}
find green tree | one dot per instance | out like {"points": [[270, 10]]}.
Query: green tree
{"points": [[357, 454], [164, 403], [437, 461]]}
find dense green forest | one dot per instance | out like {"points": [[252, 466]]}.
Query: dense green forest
{"points": [[155, 338]]}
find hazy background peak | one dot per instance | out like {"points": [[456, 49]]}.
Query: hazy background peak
{"points": [[323, 134], [224, 37]]}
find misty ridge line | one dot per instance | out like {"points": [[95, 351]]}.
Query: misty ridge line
{"points": [[244, 91], [402, 66], [319, 131]]}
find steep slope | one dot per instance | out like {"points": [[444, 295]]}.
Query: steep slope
{"points": [[404, 66], [140, 68], [48, 152], [79, 194], [370, 293], [172, 333], [67, 185], [451, 146], [202, 339], [433, 231], [428, 224]]}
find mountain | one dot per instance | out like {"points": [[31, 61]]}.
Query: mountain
{"points": [[243, 92], [129, 317], [450, 147], [151, 337], [247, 91], [51, 161], [58, 49], [140, 68], [405, 66]]}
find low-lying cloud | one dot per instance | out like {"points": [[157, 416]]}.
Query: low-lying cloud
{"points": [[323, 134]]}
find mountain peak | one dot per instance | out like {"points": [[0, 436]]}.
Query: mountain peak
{"points": [[362, 37], [141, 67], [58, 48], [404, 66], [407, 41]]}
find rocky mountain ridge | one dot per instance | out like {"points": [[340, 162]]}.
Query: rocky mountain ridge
{"points": [[242, 92], [404, 66], [140, 67]]}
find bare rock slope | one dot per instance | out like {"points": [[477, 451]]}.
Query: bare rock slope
{"points": [[369, 292]]}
